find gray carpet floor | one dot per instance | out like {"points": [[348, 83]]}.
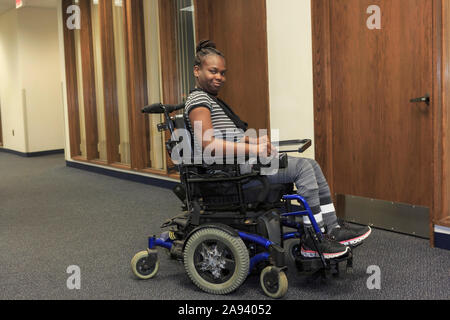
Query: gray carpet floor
{"points": [[53, 217]]}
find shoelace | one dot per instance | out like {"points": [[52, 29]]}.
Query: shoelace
{"points": [[328, 237], [343, 224]]}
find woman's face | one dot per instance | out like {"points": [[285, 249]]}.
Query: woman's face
{"points": [[211, 74]]}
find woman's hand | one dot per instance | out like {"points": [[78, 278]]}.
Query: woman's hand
{"points": [[265, 148]]}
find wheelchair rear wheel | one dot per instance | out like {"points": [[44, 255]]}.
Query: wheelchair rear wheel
{"points": [[216, 261]]}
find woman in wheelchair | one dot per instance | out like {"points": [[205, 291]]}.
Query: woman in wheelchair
{"points": [[203, 108]]}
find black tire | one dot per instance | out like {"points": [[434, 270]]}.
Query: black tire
{"points": [[216, 261], [292, 249]]}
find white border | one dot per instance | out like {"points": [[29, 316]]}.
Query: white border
{"points": [[441, 229]]}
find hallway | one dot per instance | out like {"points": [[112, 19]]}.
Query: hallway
{"points": [[52, 217]]}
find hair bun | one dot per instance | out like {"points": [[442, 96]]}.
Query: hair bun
{"points": [[205, 44]]}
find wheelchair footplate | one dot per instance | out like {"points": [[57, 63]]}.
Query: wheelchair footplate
{"points": [[320, 267]]}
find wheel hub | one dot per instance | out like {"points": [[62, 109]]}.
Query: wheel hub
{"points": [[271, 282], [147, 264], [212, 261]]}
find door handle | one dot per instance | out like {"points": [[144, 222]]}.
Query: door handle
{"points": [[425, 98]]}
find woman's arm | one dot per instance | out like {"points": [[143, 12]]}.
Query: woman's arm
{"points": [[203, 115], [256, 140]]}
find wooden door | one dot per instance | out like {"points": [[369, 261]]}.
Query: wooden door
{"points": [[382, 143], [371, 140]]}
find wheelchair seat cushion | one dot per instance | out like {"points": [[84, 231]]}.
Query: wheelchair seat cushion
{"points": [[276, 192]]}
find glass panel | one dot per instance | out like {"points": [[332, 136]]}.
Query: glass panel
{"points": [[119, 44], [101, 123], [185, 45], [151, 17], [80, 94]]}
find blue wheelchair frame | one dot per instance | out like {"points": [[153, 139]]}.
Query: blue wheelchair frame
{"points": [[261, 250], [165, 242]]}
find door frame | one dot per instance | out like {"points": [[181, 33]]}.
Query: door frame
{"points": [[323, 122]]}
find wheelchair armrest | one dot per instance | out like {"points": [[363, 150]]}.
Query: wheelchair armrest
{"points": [[282, 162], [299, 145], [235, 159]]}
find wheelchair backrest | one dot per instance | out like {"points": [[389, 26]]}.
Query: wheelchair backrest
{"points": [[180, 144]]}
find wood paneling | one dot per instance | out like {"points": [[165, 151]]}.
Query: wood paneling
{"points": [[71, 84], [109, 80], [390, 149], [442, 216], [169, 75], [239, 30], [137, 83], [168, 53], [89, 94], [437, 113], [323, 124]]}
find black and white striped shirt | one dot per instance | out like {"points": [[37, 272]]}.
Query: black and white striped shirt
{"points": [[224, 127]]}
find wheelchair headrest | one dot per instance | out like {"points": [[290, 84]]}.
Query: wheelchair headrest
{"points": [[180, 140]]}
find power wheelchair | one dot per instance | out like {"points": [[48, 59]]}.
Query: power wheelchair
{"points": [[233, 224]]}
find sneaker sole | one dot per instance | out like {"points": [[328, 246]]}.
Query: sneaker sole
{"points": [[357, 240], [314, 254]]}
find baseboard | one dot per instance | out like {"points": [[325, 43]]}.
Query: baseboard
{"points": [[32, 154], [442, 237], [162, 183]]}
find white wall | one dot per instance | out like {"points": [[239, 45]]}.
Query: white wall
{"points": [[62, 70], [10, 84], [39, 52], [30, 86], [290, 69]]}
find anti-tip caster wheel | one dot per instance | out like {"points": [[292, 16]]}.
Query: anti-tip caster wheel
{"points": [[145, 264], [273, 282], [292, 249]]}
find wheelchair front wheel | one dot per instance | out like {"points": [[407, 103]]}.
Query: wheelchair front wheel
{"points": [[273, 282], [216, 261], [145, 264]]}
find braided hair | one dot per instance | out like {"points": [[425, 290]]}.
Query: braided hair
{"points": [[204, 49]]}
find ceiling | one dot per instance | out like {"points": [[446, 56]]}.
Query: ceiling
{"points": [[5, 5]]}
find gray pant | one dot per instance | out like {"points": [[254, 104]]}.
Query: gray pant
{"points": [[311, 184]]}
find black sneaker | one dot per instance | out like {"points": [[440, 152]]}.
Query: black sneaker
{"points": [[329, 247], [350, 235]]}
